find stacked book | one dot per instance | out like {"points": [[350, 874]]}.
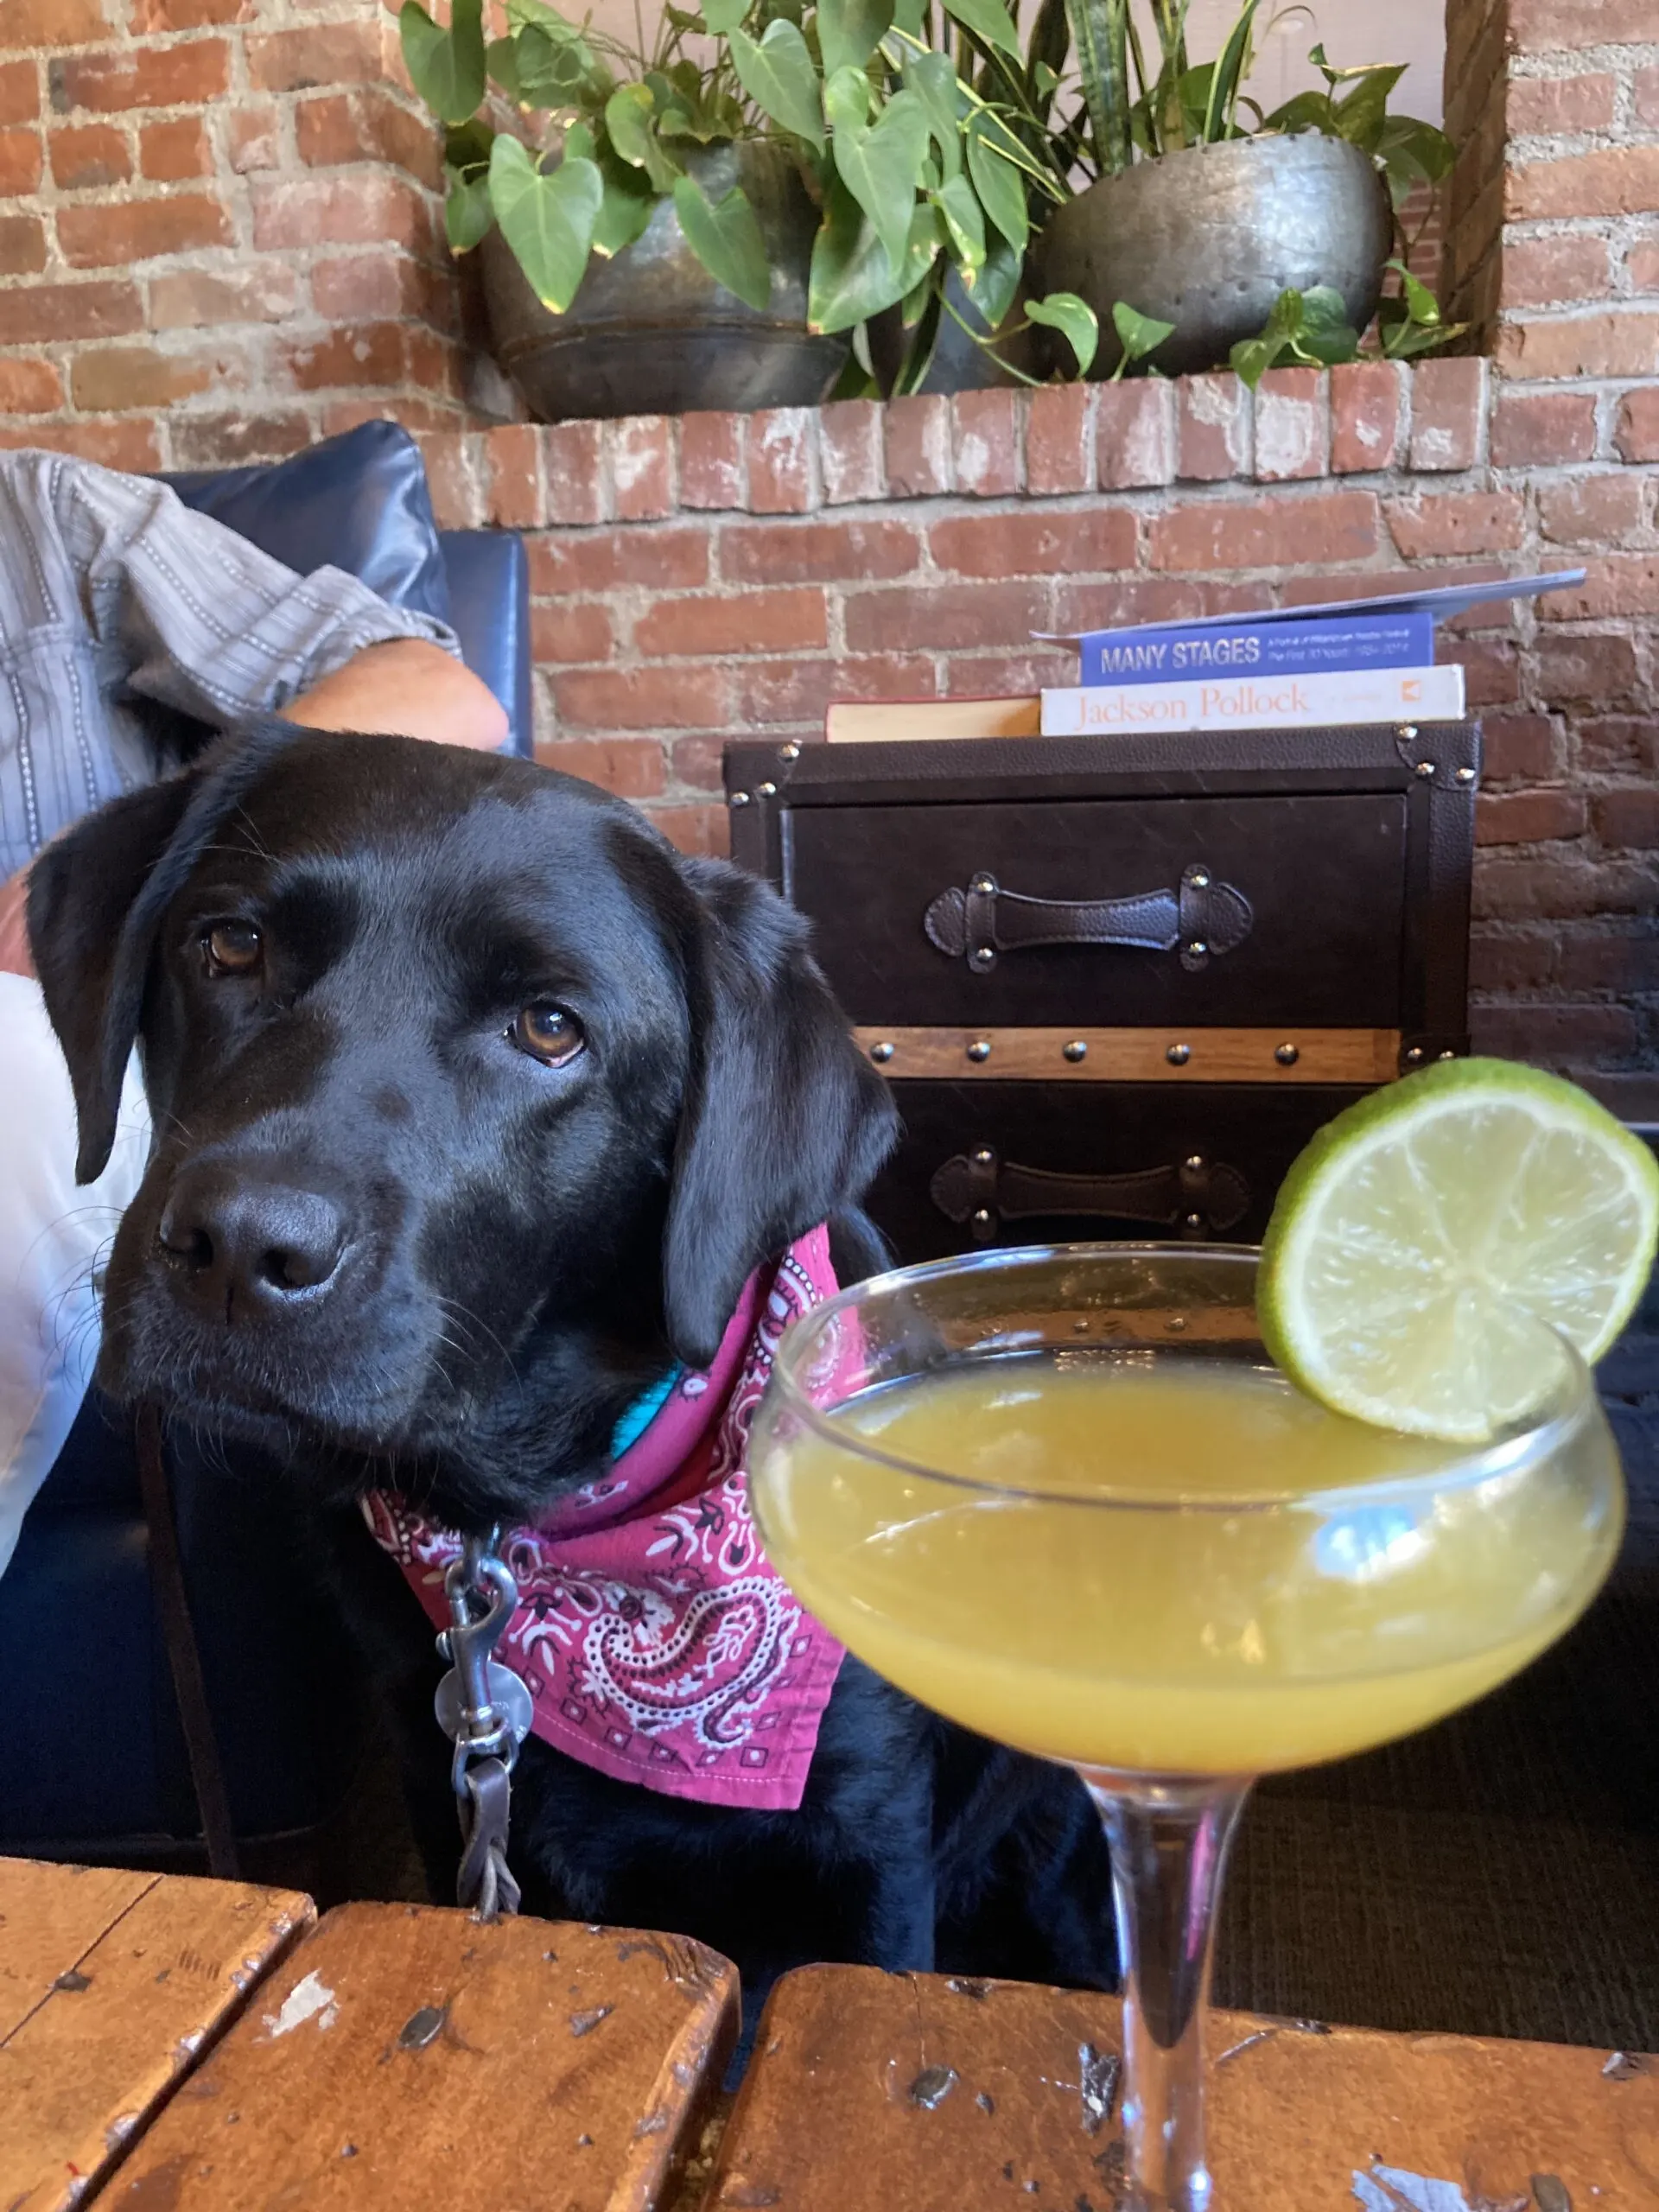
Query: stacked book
{"points": [[1347, 662], [1359, 660]]}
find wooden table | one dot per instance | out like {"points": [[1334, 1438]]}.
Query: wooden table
{"points": [[183, 2046], [111, 1986], [911, 2093]]}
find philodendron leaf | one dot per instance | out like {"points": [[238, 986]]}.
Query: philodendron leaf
{"points": [[447, 68], [850, 30], [467, 211], [997, 281], [964, 220], [630, 118], [723, 16], [1074, 318], [932, 77], [627, 206], [879, 163], [852, 275], [1138, 335], [547, 219], [777, 72], [991, 23], [726, 238], [1001, 192]]}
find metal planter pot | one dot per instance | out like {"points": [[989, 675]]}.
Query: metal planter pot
{"points": [[651, 332], [1208, 238]]}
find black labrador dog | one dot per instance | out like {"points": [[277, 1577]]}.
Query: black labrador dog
{"points": [[475, 1106]]}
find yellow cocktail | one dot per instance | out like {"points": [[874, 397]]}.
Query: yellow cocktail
{"points": [[1064, 1497], [1319, 1587]]}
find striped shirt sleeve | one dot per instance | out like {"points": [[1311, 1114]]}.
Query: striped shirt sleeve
{"points": [[204, 620]]}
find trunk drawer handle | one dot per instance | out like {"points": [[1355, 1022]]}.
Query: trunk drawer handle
{"points": [[1199, 1197], [1200, 916]]}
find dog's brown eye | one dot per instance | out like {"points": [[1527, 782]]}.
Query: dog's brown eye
{"points": [[232, 948], [548, 1033]]}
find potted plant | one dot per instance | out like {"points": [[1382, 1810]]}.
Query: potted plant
{"points": [[1233, 228], [662, 231]]}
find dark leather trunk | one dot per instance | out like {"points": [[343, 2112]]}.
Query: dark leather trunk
{"points": [[1118, 982]]}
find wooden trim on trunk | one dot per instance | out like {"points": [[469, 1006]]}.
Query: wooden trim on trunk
{"points": [[1198, 1055]]}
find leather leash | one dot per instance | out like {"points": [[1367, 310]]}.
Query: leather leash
{"points": [[183, 1653]]}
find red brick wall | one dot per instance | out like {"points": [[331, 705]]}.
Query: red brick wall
{"points": [[219, 234], [220, 239], [728, 573]]}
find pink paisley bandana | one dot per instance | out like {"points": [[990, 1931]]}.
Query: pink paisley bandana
{"points": [[653, 1634]]}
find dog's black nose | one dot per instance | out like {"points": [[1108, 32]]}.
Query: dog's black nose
{"points": [[245, 1244]]}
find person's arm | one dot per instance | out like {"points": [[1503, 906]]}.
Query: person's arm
{"points": [[208, 623], [409, 688]]}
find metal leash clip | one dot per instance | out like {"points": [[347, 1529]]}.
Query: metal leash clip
{"points": [[485, 1711]]}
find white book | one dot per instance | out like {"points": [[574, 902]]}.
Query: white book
{"points": [[1309, 700]]}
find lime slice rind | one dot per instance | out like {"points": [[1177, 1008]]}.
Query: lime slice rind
{"points": [[1418, 1228]]}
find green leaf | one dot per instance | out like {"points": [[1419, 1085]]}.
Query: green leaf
{"points": [[1406, 338], [998, 281], [467, 211], [1251, 358], [847, 100], [629, 202], [726, 238], [551, 71], [1076, 321], [1325, 335], [1230, 71], [1138, 335], [879, 163], [1308, 110], [467, 145], [1360, 116], [1420, 303], [932, 77], [964, 221], [990, 23], [779, 76], [580, 144], [630, 120], [723, 16], [998, 183], [852, 275], [547, 218], [445, 67], [850, 30], [501, 65], [1100, 38]]}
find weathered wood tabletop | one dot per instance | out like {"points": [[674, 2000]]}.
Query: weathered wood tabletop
{"points": [[407, 2057], [112, 1984], [872, 2092]]}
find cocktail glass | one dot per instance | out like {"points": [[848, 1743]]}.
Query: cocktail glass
{"points": [[1063, 1496]]}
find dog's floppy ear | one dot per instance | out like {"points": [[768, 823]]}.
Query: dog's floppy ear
{"points": [[786, 1121], [95, 897]]}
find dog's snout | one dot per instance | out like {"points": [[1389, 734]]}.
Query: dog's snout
{"points": [[257, 1246]]}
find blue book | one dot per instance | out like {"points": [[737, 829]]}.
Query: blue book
{"points": [[1169, 653], [1391, 629]]}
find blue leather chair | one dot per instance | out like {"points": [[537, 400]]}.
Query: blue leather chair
{"points": [[92, 1748]]}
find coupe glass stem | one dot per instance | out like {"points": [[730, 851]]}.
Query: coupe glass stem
{"points": [[1169, 1842]]}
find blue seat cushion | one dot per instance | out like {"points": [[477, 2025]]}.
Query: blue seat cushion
{"points": [[489, 605], [358, 502]]}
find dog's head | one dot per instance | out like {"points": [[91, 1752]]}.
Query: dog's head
{"points": [[475, 1102]]}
